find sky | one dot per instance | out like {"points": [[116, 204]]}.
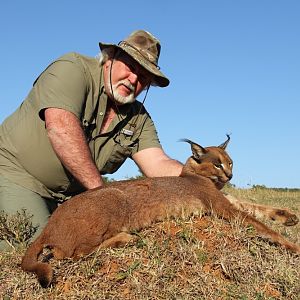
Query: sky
{"points": [[234, 67]]}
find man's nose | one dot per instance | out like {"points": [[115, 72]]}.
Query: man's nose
{"points": [[133, 78]]}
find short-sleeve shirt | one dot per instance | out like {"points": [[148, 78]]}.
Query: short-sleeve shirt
{"points": [[74, 83]]}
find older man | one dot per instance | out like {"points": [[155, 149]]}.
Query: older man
{"points": [[82, 120]]}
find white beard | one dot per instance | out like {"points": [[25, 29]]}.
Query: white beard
{"points": [[121, 99]]}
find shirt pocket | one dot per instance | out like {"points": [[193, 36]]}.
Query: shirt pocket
{"points": [[121, 151]]}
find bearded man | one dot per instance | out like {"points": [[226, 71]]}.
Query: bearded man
{"points": [[81, 120]]}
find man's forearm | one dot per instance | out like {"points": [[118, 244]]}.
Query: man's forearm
{"points": [[153, 162], [169, 167], [69, 143]]}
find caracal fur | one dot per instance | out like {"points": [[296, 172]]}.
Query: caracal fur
{"points": [[104, 217]]}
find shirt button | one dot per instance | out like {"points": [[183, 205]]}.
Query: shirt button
{"points": [[101, 113]]}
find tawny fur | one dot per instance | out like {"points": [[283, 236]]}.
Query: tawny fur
{"points": [[104, 217]]}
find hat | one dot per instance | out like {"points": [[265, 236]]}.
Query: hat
{"points": [[144, 48]]}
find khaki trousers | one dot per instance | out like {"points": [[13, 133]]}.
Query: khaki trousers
{"points": [[15, 198]]}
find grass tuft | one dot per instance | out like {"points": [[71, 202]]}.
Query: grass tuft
{"points": [[16, 229]]}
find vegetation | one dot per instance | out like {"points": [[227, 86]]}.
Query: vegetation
{"points": [[202, 257]]}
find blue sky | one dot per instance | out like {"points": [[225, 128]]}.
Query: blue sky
{"points": [[234, 67]]}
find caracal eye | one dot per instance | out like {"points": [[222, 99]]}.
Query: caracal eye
{"points": [[218, 166]]}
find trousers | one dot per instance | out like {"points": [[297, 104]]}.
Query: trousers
{"points": [[15, 198]]}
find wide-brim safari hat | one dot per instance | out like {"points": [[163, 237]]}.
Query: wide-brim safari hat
{"points": [[143, 47]]}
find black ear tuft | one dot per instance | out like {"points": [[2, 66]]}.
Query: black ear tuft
{"points": [[197, 150], [186, 140], [224, 145]]}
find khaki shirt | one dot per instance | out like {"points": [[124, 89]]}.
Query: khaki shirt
{"points": [[74, 83]]}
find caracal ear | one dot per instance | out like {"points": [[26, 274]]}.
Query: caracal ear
{"points": [[197, 150], [224, 145]]}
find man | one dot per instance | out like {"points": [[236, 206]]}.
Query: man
{"points": [[82, 120]]}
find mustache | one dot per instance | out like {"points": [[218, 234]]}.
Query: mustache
{"points": [[127, 84]]}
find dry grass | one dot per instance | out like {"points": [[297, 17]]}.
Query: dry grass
{"points": [[199, 258]]}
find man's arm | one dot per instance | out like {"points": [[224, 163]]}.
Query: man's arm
{"points": [[153, 162], [69, 143]]}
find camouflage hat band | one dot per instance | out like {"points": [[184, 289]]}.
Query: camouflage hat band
{"points": [[146, 55], [144, 48]]}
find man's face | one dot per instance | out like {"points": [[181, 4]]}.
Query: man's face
{"points": [[126, 78]]}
